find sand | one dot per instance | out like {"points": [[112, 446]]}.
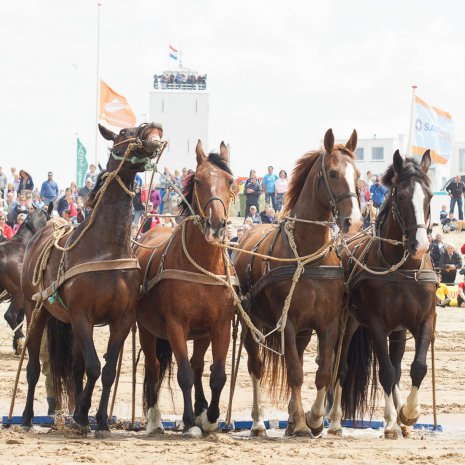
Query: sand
{"points": [[43, 446]]}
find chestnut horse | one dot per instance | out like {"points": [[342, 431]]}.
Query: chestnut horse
{"points": [[92, 296], [11, 261], [181, 304], [386, 305], [322, 186]]}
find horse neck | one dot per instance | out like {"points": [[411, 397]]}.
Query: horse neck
{"points": [[110, 233], [207, 255], [23, 234], [310, 237]]}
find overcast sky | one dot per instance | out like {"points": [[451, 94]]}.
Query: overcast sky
{"points": [[279, 73]]}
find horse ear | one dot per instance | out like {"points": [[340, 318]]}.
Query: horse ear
{"points": [[200, 153], [397, 161], [224, 152], [351, 144], [106, 133], [329, 141], [50, 209], [426, 161]]}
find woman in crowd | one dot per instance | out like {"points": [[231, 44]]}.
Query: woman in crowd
{"points": [[74, 190], [363, 193], [171, 202], [19, 221], [137, 205], [281, 187], [25, 182]]}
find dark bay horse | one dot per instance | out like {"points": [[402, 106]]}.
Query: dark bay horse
{"points": [[323, 186], [11, 261], [105, 288], [182, 304], [385, 306]]}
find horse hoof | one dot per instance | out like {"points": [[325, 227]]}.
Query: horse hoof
{"points": [[406, 431], [316, 432], [80, 430], [194, 433], [337, 432], [20, 343], [102, 434], [407, 421], [155, 431], [27, 428], [390, 434], [204, 423], [289, 430], [303, 433], [258, 433]]}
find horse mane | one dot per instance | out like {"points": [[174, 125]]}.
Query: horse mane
{"points": [[90, 202], [410, 168], [188, 191], [301, 171]]}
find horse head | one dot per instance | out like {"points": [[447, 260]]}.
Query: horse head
{"points": [[409, 200], [210, 191], [37, 219], [146, 140], [338, 177]]}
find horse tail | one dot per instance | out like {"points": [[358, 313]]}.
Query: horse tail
{"points": [[164, 355], [60, 350], [274, 367], [357, 398]]}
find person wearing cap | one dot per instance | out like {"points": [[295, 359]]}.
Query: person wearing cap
{"points": [[25, 182], [85, 190], [20, 207], [19, 221], [49, 190]]}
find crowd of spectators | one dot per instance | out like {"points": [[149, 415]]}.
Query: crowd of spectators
{"points": [[180, 79]]}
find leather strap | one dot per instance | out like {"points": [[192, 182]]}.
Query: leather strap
{"points": [[88, 267], [188, 276], [284, 273]]}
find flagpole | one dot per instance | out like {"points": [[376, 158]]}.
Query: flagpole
{"points": [[412, 106], [97, 85]]}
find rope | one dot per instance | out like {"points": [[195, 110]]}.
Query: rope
{"points": [[109, 177], [245, 318]]}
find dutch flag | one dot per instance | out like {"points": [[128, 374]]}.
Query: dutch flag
{"points": [[173, 53]]}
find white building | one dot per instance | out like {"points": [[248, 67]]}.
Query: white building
{"points": [[180, 102]]}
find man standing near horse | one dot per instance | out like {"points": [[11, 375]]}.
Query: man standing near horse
{"points": [[378, 192], [252, 191], [455, 189], [268, 183]]}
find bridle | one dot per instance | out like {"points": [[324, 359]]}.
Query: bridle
{"points": [[136, 142], [201, 208], [333, 201], [400, 221]]}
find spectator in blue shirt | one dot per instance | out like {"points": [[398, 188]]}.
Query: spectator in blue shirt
{"points": [[269, 187], [378, 192], [49, 190]]}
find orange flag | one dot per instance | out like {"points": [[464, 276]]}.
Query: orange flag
{"points": [[114, 108]]}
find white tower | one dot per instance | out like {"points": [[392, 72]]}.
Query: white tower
{"points": [[180, 102]]}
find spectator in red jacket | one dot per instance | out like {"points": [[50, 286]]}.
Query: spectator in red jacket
{"points": [[363, 193], [6, 230]]}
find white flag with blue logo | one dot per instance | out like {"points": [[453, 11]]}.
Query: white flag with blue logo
{"points": [[433, 129]]}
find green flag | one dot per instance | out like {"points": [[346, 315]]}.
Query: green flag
{"points": [[81, 165]]}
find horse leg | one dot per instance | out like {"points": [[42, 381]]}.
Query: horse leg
{"points": [[397, 342], [83, 332], [197, 364], [12, 318], [326, 343], [79, 367], [118, 333], [148, 343], [220, 344], [410, 411], [33, 365], [335, 414], [297, 425], [178, 341], [386, 378], [255, 367]]}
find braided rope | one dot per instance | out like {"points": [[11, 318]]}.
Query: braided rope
{"points": [[109, 177], [255, 331]]}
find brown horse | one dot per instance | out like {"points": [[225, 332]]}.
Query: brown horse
{"points": [[11, 260], [322, 186], [92, 296], [180, 303], [386, 305]]}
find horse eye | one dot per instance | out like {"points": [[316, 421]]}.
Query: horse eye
{"points": [[333, 174]]}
